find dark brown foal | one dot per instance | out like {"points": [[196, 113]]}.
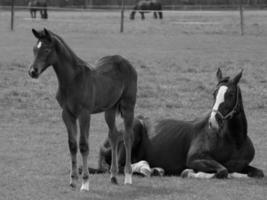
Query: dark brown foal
{"points": [[110, 87]]}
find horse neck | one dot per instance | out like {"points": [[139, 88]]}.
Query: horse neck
{"points": [[237, 125], [67, 64]]}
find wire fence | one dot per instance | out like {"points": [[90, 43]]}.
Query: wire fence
{"points": [[166, 8], [128, 8]]}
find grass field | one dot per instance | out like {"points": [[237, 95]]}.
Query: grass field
{"points": [[176, 60]]}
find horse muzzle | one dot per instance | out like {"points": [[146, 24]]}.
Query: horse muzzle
{"points": [[33, 72]]}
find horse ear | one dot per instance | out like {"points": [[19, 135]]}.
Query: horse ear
{"points": [[36, 34], [47, 35], [219, 75], [236, 79]]}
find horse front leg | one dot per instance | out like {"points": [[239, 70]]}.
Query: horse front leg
{"points": [[132, 15], [110, 117], [71, 125], [160, 15], [155, 15], [206, 165], [84, 121], [253, 172], [142, 15]]}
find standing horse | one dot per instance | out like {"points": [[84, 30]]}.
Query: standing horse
{"points": [[38, 5], [212, 146], [145, 6], [110, 87]]}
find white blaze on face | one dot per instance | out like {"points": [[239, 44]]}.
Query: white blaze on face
{"points": [[39, 45], [219, 99]]}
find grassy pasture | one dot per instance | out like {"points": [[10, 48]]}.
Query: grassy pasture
{"points": [[176, 60]]}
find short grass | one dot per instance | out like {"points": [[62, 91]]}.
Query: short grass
{"points": [[176, 60]]}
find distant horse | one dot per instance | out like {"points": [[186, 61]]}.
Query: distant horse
{"points": [[215, 145], [110, 87], [38, 5], [145, 6]]}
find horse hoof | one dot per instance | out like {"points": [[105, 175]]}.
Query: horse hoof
{"points": [[186, 172], [73, 185], [128, 179], [158, 172], [85, 187], [222, 174], [114, 181]]}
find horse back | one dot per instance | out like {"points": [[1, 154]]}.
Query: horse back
{"points": [[116, 67], [149, 5]]}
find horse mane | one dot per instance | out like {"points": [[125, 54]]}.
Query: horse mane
{"points": [[201, 122], [224, 80], [62, 46]]}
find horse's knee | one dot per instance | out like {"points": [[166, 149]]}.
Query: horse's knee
{"points": [[84, 147], [221, 173], [73, 146]]}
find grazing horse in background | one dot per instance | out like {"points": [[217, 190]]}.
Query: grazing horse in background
{"points": [[38, 5], [212, 146], [83, 90], [145, 6]]}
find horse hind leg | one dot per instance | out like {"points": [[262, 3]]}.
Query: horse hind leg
{"points": [[160, 15], [127, 110], [84, 121], [110, 117], [142, 15], [132, 15], [71, 126]]}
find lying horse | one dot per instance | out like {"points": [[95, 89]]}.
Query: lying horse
{"points": [[38, 5], [212, 146], [145, 6], [83, 90]]}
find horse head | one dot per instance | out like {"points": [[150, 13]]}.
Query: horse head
{"points": [[227, 98], [43, 51]]}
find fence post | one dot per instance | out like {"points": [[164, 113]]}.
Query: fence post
{"points": [[241, 16], [12, 15], [122, 15]]}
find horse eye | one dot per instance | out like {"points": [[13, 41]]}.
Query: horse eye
{"points": [[47, 50]]}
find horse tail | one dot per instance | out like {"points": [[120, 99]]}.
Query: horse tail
{"points": [[93, 170], [144, 122]]}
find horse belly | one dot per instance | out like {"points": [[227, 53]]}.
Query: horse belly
{"points": [[107, 97], [171, 158]]}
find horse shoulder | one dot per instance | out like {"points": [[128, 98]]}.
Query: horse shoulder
{"points": [[204, 143], [77, 94], [245, 152]]}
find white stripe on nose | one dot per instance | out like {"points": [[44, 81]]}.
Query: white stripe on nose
{"points": [[39, 45], [219, 99]]}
